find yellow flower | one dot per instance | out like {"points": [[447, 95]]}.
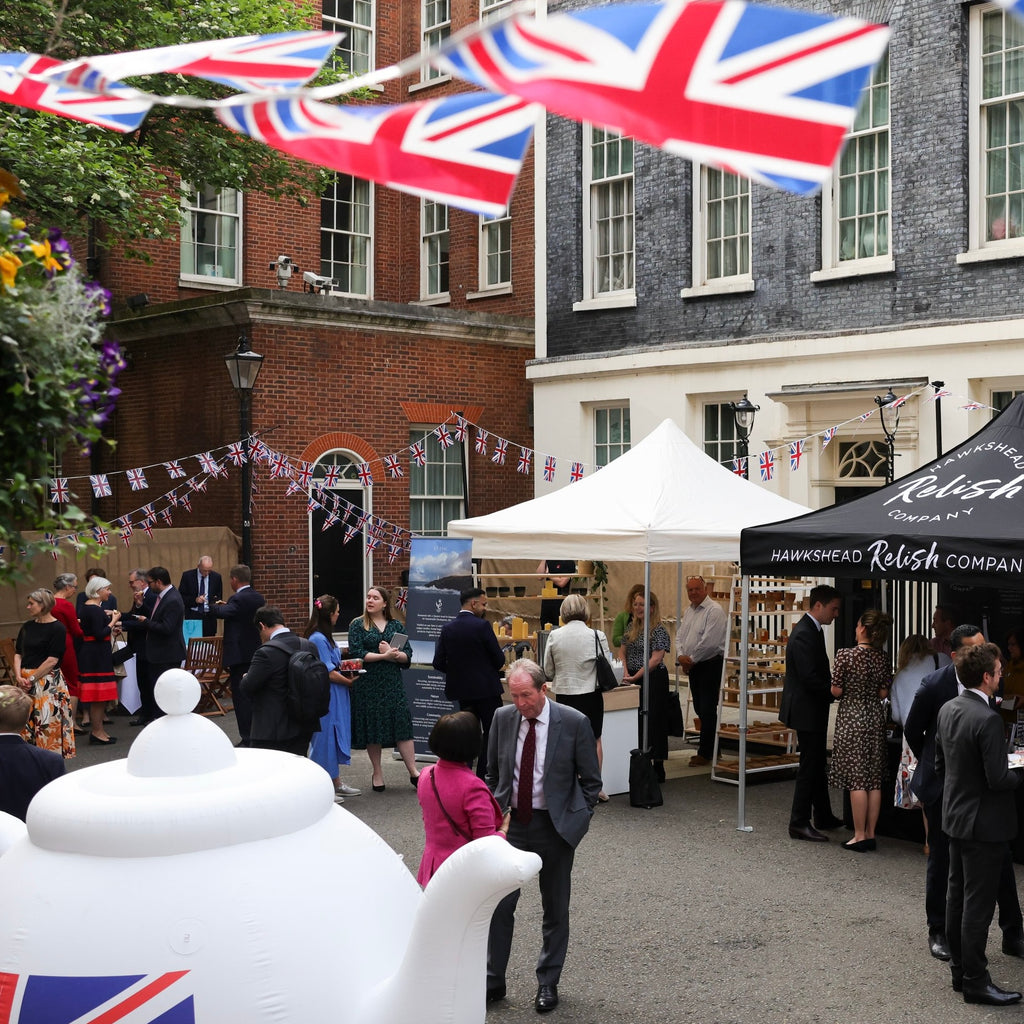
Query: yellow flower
{"points": [[9, 264], [43, 254]]}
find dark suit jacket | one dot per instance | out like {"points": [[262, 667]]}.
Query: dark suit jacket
{"points": [[24, 770], [165, 643], [266, 686], [467, 652], [936, 689], [241, 637], [189, 589], [806, 693], [135, 628], [970, 762], [572, 778]]}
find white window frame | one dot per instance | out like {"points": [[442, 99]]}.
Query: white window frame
{"points": [[722, 449], [488, 8], [451, 460], [594, 136], [429, 236], [327, 267], [436, 26], [190, 211], [981, 248], [722, 285], [603, 446], [354, 30], [491, 227], [833, 266]]}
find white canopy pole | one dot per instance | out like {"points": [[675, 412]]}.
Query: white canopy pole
{"points": [[741, 803]]}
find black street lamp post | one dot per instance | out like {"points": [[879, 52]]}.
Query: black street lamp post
{"points": [[889, 410], [744, 411], [244, 367]]}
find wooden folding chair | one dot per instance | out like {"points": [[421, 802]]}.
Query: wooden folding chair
{"points": [[203, 659], [7, 675]]}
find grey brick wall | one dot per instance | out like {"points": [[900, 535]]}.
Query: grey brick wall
{"points": [[929, 116]]}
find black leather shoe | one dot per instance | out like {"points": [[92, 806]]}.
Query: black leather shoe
{"points": [[939, 948], [496, 993], [94, 740], [958, 984], [829, 824], [547, 998], [808, 834], [136, 722], [1013, 946], [990, 995]]}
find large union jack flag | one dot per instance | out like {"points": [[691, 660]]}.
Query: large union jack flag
{"points": [[128, 999], [763, 91], [463, 150], [248, 63], [120, 109]]}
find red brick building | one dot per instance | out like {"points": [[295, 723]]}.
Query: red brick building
{"points": [[430, 311]]}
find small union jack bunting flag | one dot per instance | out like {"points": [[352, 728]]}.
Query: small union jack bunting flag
{"points": [[940, 393], [147, 525], [280, 466], [59, 490], [207, 462], [362, 520], [549, 468], [137, 480], [481, 441], [739, 466], [330, 520], [292, 488], [253, 447], [304, 474], [372, 543], [576, 472], [402, 599], [796, 453], [766, 462], [51, 539], [185, 502], [199, 484], [393, 466], [866, 415], [165, 515], [312, 505], [364, 473], [525, 458], [899, 401], [236, 453], [350, 531], [174, 470], [147, 510], [444, 439], [500, 451], [126, 534], [827, 436], [419, 456], [100, 485], [460, 429], [972, 406], [331, 476], [100, 535], [393, 552]]}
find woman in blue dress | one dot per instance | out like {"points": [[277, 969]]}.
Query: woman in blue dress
{"points": [[380, 712], [331, 746]]}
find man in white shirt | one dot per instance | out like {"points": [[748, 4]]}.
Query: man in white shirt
{"points": [[700, 646]]}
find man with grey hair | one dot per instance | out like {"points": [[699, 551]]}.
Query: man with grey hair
{"points": [[542, 765], [24, 768], [201, 588]]}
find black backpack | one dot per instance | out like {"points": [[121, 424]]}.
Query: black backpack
{"points": [[309, 686]]}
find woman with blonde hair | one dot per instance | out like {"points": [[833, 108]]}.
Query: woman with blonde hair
{"points": [[657, 696], [621, 622], [96, 679], [38, 652], [861, 678]]}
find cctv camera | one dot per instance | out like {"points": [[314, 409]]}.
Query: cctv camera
{"points": [[284, 265], [317, 283]]}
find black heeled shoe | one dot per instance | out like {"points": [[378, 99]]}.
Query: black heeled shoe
{"points": [[94, 740]]}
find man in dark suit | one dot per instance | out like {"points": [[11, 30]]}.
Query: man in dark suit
{"points": [[806, 696], [979, 815], [543, 766], [165, 643], [241, 638], [133, 624], [201, 588], [24, 768], [937, 689], [467, 652], [266, 686]]}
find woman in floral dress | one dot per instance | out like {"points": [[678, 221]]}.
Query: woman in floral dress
{"points": [[860, 681], [380, 712], [38, 651]]}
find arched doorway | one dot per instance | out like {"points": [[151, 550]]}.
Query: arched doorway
{"points": [[336, 567]]}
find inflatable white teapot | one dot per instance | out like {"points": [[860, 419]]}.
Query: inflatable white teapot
{"points": [[226, 886]]}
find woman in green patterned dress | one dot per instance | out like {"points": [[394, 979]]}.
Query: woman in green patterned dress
{"points": [[380, 712]]}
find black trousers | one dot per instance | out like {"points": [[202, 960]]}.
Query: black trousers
{"points": [[243, 709], [810, 794], [936, 882], [539, 837], [705, 681], [974, 870], [484, 709]]}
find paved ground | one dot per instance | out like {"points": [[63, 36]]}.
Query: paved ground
{"points": [[679, 917]]}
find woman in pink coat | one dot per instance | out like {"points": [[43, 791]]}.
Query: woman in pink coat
{"points": [[457, 806]]}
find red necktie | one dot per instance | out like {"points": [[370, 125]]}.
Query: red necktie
{"points": [[524, 803]]}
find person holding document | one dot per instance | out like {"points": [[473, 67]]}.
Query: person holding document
{"points": [[380, 712]]}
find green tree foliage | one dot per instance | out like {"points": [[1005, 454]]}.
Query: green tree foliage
{"points": [[85, 177]]}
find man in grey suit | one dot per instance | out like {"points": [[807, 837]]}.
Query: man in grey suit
{"points": [[979, 815], [553, 748]]}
